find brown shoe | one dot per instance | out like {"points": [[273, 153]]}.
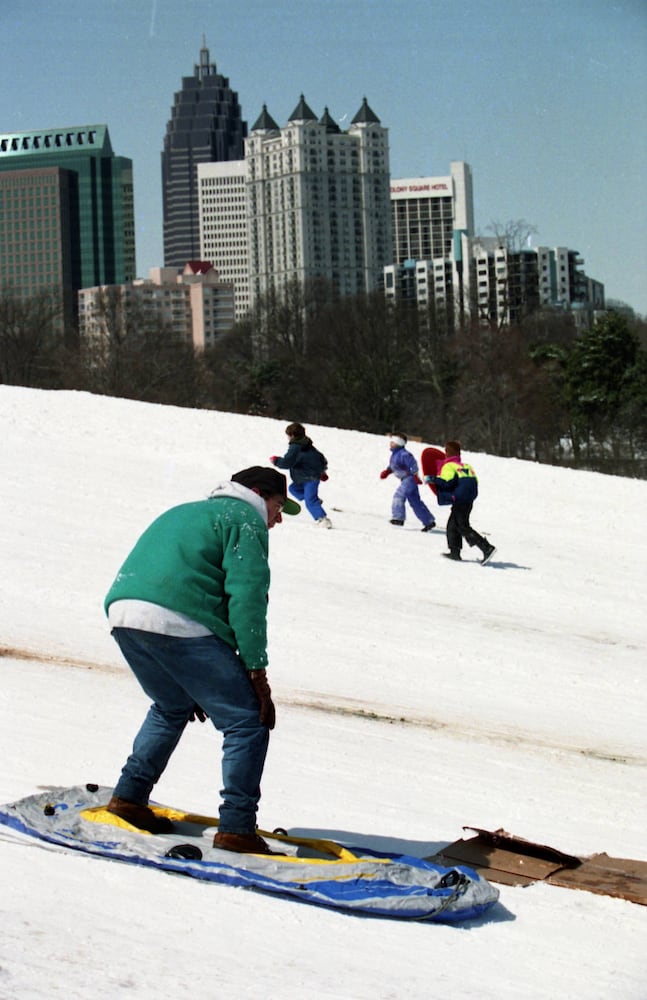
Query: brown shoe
{"points": [[242, 843], [140, 816]]}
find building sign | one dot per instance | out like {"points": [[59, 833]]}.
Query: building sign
{"points": [[422, 186]]}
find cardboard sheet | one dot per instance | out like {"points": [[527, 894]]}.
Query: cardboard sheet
{"points": [[509, 860]]}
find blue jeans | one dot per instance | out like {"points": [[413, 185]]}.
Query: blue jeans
{"points": [[176, 674], [309, 493], [407, 492]]}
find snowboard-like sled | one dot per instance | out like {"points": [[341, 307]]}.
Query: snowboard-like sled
{"points": [[322, 872]]}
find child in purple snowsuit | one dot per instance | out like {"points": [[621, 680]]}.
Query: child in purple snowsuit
{"points": [[405, 468]]}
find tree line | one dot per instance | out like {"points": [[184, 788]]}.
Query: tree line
{"points": [[538, 390]]}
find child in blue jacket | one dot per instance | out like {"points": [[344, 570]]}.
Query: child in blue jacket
{"points": [[307, 468], [405, 468], [457, 485]]}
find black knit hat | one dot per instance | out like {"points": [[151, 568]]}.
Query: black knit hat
{"points": [[267, 481]]}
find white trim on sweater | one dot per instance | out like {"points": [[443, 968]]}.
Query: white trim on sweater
{"points": [[149, 617]]}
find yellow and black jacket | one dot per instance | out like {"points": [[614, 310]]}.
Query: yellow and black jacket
{"points": [[457, 482]]}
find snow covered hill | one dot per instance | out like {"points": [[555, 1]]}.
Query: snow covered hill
{"points": [[414, 696]]}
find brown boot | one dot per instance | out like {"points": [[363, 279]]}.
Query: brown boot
{"points": [[140, 816], [242, 843]]}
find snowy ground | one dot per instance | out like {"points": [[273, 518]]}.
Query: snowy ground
{"points": [[512, 695]]}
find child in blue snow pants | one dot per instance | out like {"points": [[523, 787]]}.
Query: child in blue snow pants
{"points": [[408, 492], [308, 492]]}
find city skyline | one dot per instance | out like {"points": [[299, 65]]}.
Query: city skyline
{"points": [[546, 104]]}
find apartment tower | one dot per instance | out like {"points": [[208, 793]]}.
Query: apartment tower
{"points": [[318, 201]]}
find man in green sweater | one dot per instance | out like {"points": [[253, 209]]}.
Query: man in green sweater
{"points": [[188, 610]]}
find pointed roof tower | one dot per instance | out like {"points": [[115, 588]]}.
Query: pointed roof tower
{"points": [[205, 126], [302, 113], [365, 116], [265, 122], [330, 123]]}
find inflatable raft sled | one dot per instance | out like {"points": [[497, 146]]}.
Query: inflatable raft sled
{"points": [[322, 872]]}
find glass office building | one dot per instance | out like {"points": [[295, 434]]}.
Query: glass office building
{"points": [[205, 127], [66, 214]]}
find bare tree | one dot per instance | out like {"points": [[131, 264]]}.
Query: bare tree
{"points": [[32, 342], [128, 351], [514, 235]]}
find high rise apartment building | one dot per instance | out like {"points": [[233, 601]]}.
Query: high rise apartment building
{"points": [[318, 201], [205, 127], [435, 285], [66, 211], [503, 285]]}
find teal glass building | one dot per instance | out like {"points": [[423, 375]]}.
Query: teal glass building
{"points": [[88, 227]]}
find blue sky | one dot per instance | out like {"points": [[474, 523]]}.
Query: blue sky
{"points": [[547, 100]]}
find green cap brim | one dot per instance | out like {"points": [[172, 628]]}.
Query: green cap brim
{"points": [[291, 507]]}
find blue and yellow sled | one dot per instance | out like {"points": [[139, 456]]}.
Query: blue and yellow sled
{"points": [[316, 871]]}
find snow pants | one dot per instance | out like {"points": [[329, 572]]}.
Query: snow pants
{"points": [[408, 492], [308, 492], [459, 528], [178, 674]]}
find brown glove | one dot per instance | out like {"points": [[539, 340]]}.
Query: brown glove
{"points": [[267, 713]]}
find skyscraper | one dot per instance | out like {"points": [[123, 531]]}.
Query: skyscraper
{"points": [[66, 211], [223, 225], [205, 127]]}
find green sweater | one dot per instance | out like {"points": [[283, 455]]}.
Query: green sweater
{"points": [[207, 560]]}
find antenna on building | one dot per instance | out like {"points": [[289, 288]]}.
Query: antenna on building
{"points": [[204, 59]]}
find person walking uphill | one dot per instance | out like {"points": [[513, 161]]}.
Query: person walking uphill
{"points": [[188, 610], [405, 468], [457, 485], [307, 468]]}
